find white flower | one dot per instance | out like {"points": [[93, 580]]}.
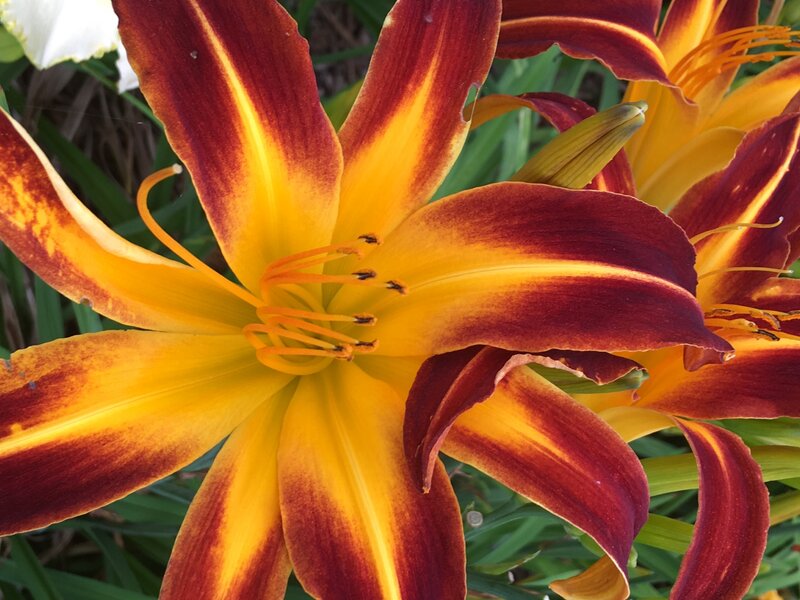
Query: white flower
{"points": [[53, 31]]}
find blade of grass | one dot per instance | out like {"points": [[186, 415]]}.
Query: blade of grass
{"points": [[32, 574]]}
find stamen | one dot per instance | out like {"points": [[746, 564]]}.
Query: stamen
{"points": [[172, 243], [732, 47], [305, 326], [370, 238], [734, 227], [345, 352], [734, 269], [774, 317], [366, 278], [397, 287], [251, 330], [360, 319], [732, 324], [768, 334]]}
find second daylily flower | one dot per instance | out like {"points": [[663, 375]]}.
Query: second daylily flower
{"points": [[348, 281], [684, 73]]}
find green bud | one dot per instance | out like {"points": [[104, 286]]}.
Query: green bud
{"points": [[573, 158]]}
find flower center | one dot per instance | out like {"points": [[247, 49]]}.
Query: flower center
{"points": [[295, 334], [743, 318], [727, 51]]}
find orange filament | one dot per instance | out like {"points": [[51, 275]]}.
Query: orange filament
{"points": [[735, 269], [359, 319], [732, 324], [251, 330], [734, 227], [727, 51], [172, 243], [774, 317]]}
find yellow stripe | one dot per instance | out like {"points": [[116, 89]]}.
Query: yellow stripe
{"points": [[255, 134], [720, 251]]}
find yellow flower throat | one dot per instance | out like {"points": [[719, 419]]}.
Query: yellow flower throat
{"points": [[294, 334]]}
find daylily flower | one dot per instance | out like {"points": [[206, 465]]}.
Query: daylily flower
{"points": [[744, 222], [347, 282], [685, 74], [53, 31]]}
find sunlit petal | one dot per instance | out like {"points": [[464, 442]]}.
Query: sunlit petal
{"points": [[551, 268], [234, 87], [231, 543], [355, 525], [48, 228], [406, 127], [89, 419], [731, 529]]}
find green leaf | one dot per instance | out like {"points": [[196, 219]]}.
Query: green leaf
{"points": [[339, 106], [49, 321], [10, 48], [70, 587], [115, 557], [573, 384], [32, 574], [674, 473], [769, 432], [88, 320], [666, 533], [95, 186]]}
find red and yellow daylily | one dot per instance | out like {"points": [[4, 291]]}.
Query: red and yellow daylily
{"points": [[684, 73], [348, 281], [744, 222]]}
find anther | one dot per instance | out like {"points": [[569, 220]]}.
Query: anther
{"points": [[370, 238], [397, 287], [364, 319], [364, 274], [768, 334]]}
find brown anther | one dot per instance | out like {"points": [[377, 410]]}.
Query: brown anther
{"points": [[348, 250], [370, 238], [720, 312], [773, 320], [768, 334], [364, 274], [364, 319], [344, 352], [397, 287], [373, 344]]}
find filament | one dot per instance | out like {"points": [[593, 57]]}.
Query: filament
{"points": [[738, 42], [734, 227], [735, 269], [174, 245]]}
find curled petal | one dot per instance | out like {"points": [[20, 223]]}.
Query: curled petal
{"points": [[89, 419], [538, 441], [518, 265], [406, 127], [601, 581], [761, 382], [731, 529], [618, 34], [449, 384], [758, 186], [234, 87], [231, 542], [354, 523], [55, 235]]}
